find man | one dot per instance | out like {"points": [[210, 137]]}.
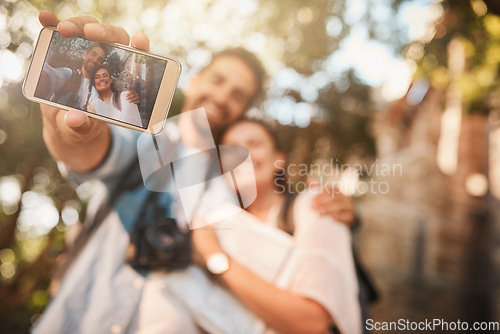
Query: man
{"points": [[74, 88], [100, 291], [71, 87]]}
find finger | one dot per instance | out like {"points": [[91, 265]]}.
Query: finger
{"points": [[347, 218], [335, 207], [47, 18], [326, 199], [75, 26], [140, 41], [132, 97], [331, 205], [332, 193], [133, 100], [107, 33], [341, 215], [328, 209], [78, 121], [49, 112]]}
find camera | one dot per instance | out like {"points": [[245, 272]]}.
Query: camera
{"points": [[160, 246]]}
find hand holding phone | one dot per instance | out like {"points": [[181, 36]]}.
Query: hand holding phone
{"points": [[75, 72], [90, 28], [72, 137]]}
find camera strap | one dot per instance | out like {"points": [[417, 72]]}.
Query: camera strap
{"points": [[132, 178], [286, 220], [89, 93], [136, 253]]}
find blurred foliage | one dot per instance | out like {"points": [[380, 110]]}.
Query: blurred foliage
{"points": [[24, 287], [296, 35], [476, 28]]}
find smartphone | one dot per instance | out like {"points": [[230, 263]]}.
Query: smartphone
{"points": [[99, 79]]}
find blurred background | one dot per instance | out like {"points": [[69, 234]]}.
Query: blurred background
{"points": [[400, 93]]}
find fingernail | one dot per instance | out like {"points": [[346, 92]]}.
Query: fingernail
{"points": [[71, 25], [65, 25], [97, 26], [75, 119]]}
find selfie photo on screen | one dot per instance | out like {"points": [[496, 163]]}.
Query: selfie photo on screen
{"points": [[101, 79]]}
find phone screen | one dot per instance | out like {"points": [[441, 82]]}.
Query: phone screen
{"points": [[100, 78]]}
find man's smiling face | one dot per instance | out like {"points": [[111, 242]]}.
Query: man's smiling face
{"points": [[225, 89], [93, 59]]}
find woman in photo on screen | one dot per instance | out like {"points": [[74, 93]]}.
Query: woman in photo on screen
{"points": [[323, 296], [111, 103]]}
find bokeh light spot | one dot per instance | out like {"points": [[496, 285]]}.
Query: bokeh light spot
{"points": [[69, 215], [7, 255], [10, 190], [8, 270], [477, 184]]}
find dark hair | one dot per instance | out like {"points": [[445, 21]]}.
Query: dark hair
{"points": [[98, 45], [269, 128], [285, 219], [116, 97], [253, 63], [109, 72]]}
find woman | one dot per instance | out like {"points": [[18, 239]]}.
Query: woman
{"points": [[324, 293], [111, 103]]}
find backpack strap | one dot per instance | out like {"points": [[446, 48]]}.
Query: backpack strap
{"points": [[285, 218], [131, 180]]}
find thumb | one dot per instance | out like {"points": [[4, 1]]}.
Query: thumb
{"points": [[78, 121]]}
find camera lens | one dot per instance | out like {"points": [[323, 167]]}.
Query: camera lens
{"points": [[163, 235]]}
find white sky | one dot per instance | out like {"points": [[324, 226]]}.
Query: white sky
{"points": [[372, 60]]}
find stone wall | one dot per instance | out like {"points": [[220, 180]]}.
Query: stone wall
{"points": [[428, 243]]}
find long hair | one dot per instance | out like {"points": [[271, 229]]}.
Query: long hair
{"points": [[285, 218], [116, 94]]}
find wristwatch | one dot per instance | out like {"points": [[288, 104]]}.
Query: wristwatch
{"points": [[217, 263]]}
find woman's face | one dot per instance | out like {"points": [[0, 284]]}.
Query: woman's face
{"points": [[265, 158], [102, 80]]}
